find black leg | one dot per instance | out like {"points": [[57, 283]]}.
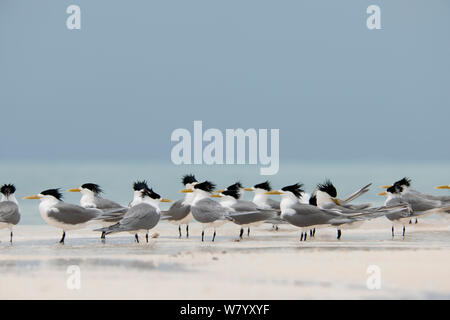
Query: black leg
{"points": [[203, 234], [136, 237], [241, 233], [276, 227], [103, 236], [417, 220], [404, 229], [63, 237], [179, 230], [248, 232], [146, 237], [301, 236], [187, 231], [305, 237], [410, 221], [214, 235], [339, 234], [11, 235], [314, 232], [310, 232], [392, 232]]}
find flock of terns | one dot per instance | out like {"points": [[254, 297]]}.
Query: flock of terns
{"points": [[321, 208]]}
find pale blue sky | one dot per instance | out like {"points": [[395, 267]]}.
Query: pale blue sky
{"points": [[139, 69]]}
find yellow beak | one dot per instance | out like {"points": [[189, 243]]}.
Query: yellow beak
{"points": [[384, 193], [249, 189], [35, 196], [443, 187], [165, 200], [219, 191], [74, 190], [335, 200], [216, 196], [273, 192], [386, 187], [187, 191]]}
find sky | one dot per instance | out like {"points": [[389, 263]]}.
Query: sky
{"points": [[137, 70]]}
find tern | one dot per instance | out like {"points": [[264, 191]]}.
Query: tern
{"points": [[227, 200], [419, 206], [263, 201], [405, 183], [90, 198], [205, 210], [250, 213], [400, 218], [63, 215], [325, 197], [306, 216], [9, 209], [180, 211], [141, 217]]}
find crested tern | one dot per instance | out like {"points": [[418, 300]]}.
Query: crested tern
{"points": [[62, 215], [306, 216], [180, 211], [9, 209], [420, 206], [90, 198], [325, 197], [141, 217], [209, 213], [247, 213], [262, 200]]}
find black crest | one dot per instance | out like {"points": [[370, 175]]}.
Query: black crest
{"points": [[296, 189], [328, 187], [150, 193], [265, 186], [395, 189], [187, 179], [313, 200], [206, 186], [8, 189], [139, 185], [236, 186], [403, 182], [234, 193], [53, 192], [95, 188]]}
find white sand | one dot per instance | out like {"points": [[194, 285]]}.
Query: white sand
{"points": [[268, 265]]}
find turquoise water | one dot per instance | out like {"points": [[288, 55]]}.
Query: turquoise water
{"points": [[116, 178]]}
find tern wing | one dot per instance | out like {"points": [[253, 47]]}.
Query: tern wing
{"points": [[244, 206], [429, 196], [177, 211], [72, 214], [356, 194], [208, 210], [420, 204], [139, 217], [105, 204], [250, 217], [9, 212], [306, 215], [274, 204]]}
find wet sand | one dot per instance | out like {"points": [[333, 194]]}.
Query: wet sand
{"points": [[267, 265]]}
